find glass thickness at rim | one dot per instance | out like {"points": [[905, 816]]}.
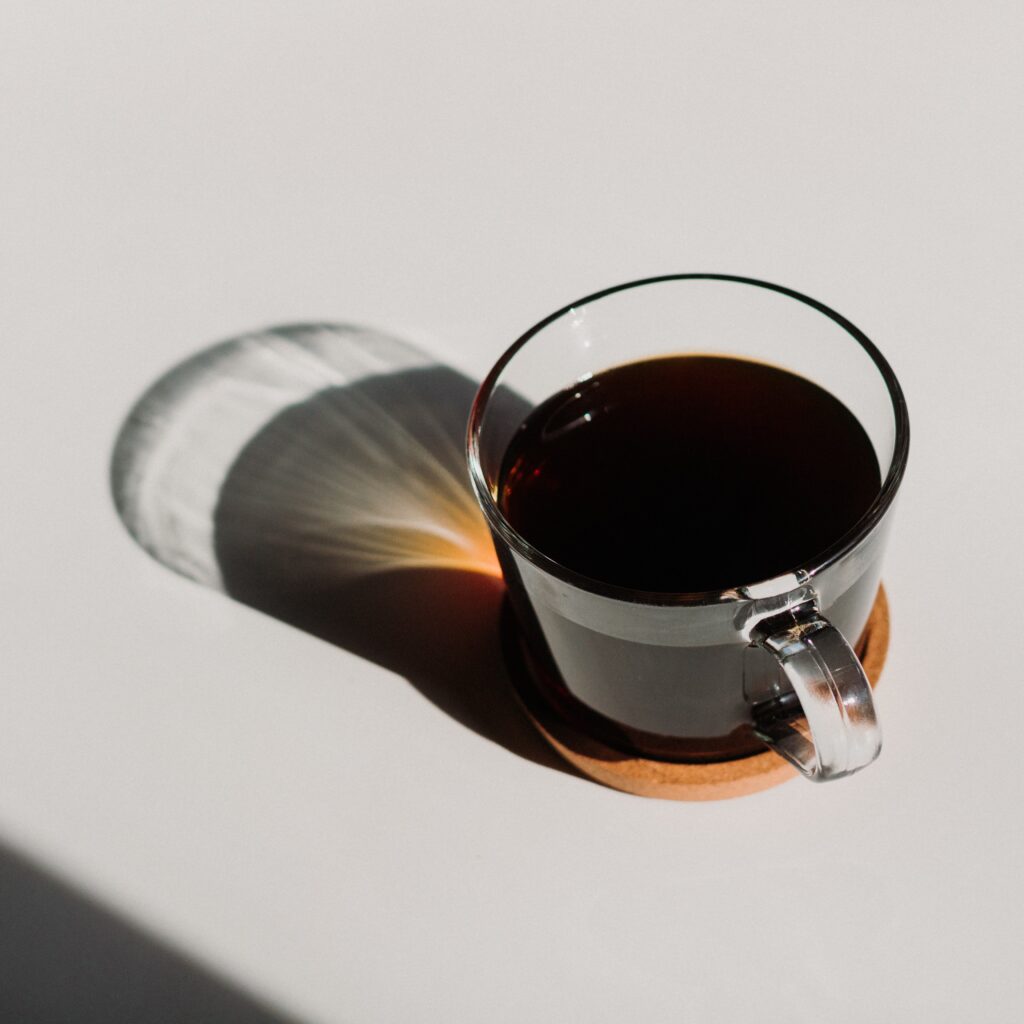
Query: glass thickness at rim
{"points": [[837, 550]]}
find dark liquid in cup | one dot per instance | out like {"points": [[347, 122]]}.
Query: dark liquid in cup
{"points": [[688, 473]]}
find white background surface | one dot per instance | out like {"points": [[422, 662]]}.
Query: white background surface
{"points": [[176, 174]]}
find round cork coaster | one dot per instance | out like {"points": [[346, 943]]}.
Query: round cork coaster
{"points": [[674, 781]]}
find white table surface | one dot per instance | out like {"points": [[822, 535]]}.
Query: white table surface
{"points": [[302, 823]]}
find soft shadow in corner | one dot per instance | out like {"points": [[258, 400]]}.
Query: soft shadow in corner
{"points": [[64, 958], [317, 474]]}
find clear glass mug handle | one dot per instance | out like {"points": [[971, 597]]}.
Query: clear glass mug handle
{"points": [[825, 725]]}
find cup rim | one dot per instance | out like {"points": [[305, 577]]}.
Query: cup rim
{"points": [[776, 585]]}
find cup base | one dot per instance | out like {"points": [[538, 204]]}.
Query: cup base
{"points": [[672, 780]]}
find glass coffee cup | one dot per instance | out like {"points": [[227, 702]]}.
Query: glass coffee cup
{"points": [[724, 637]]}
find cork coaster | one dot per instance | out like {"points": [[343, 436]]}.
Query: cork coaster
{"points": [[674, 781]]}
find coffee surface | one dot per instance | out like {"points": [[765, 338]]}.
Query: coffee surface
{"points": [[688, 473]]}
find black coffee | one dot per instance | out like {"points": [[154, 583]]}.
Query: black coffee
{"points": [[688, 473]]}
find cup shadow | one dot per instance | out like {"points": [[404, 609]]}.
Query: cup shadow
{"points": [[316, 473]]}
